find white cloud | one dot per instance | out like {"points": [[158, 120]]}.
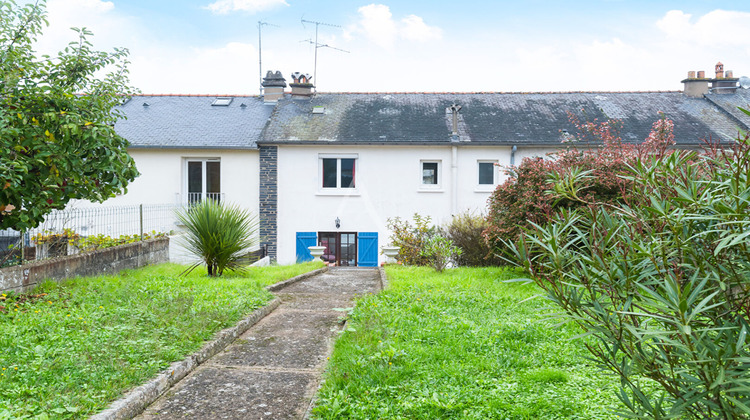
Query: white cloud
{"points": [[228, 69], [253, 6], [95, 15], [414, 29], [718, 27], [378, 25]]}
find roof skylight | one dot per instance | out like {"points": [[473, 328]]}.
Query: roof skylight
{"points": [[221, 102]]}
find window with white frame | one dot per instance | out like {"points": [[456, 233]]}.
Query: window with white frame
{"points": [[487, 172], [430, 173], [203, 179], [338, 171]]}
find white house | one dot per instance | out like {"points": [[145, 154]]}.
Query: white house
{"points": [[332, 168]]}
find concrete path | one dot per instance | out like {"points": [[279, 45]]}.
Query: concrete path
{"points": [[273, 370]]}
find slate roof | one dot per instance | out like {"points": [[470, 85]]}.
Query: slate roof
{"points": [[493, 118], [177, 121]]}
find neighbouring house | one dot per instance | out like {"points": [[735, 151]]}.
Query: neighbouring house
{"points": [[331, 168]]}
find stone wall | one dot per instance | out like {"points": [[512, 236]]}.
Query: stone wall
{"points": [[269, 157], [23, 278]]}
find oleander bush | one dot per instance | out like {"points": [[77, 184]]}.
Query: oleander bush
{"points": [[660, 278]]}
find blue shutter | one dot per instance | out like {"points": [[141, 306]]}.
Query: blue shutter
{"points": [[368, 249], [305, 239]]}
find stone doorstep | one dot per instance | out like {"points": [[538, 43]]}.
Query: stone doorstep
{"points": [[136, 400]]}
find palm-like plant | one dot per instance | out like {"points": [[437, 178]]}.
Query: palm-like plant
{"points": [[219, 234]]}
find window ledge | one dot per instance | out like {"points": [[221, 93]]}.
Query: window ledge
{"points": [[425, 190], [338, 193]]}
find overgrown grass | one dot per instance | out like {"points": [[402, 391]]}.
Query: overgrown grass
{"points": [[462, 344], [69, 349]]}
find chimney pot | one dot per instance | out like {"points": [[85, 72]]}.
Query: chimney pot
{"points": [[719, 70], [302, 85], [273, 87], [691, 74], [729, 74], [701, 74]]}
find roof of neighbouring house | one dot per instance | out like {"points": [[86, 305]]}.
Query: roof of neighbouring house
{"points": [[193, 122], [495, 118]]}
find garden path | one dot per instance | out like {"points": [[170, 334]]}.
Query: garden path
{"points": [[273, 370]]}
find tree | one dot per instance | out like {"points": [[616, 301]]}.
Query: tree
{"points": [[57, 116]]}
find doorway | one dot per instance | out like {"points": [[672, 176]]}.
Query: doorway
{"points": [[341, 248]]}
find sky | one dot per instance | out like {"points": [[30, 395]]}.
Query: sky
{"points": [[211, 46]]}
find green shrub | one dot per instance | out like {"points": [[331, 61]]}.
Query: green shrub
{"points": [[411, 239], [219, 234], [521, 201], [466, 231], [439, 251], [661, 280]]}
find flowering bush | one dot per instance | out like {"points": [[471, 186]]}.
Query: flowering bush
{"points": [[599, 168], [411, 239]]}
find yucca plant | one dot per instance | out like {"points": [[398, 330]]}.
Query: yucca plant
{"points": [[219, 235]]}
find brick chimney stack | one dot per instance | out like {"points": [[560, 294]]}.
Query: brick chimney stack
{"points": [[696, 87], [724, 83], [273, 87], [302, 85]]}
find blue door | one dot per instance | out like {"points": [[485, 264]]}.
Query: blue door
{"points": [[305, 239], [368, 249]]}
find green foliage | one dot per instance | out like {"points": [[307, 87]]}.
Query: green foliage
{"points": [[101, 241], [464, 344], [439, 251], [661, 281], [57, 121], [411, 239], [466, 231], [522, 201], [422, 244], [219, 234], [71, 348]]}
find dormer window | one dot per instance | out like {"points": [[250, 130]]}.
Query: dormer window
{"points": [[221, 102]]}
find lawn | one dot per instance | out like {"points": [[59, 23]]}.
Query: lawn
{"points": [[462, 344], [69, 349]]}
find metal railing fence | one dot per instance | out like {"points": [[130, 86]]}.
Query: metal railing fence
{"points": [[64, 228]]}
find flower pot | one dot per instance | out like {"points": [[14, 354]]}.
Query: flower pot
{"points": [[316, 251], [391, 252]]}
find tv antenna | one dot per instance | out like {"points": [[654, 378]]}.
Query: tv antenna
{"points": [[319, 45], [260, 56]]}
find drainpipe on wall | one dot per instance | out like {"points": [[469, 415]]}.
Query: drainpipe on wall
{"points": [[454, 180], [513, 155]]}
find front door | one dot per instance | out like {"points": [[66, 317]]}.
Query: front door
{"points": [[341, 248]]}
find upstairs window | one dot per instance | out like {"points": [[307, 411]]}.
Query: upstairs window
{"points": [[487, 172], [203, 179], [338, 172], [430, 174]]}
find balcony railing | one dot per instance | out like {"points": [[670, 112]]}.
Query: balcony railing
{"points": [[193, 198]]}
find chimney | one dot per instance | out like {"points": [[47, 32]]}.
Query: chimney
{"points": [[302, 86], [273, 87], [723, 84], [695, 87]]}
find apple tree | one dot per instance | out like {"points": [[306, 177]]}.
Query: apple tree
{"points": [[57, 116]]}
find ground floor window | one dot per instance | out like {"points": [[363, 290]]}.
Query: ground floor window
{"points": [[348, 249], [341, 248]]}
